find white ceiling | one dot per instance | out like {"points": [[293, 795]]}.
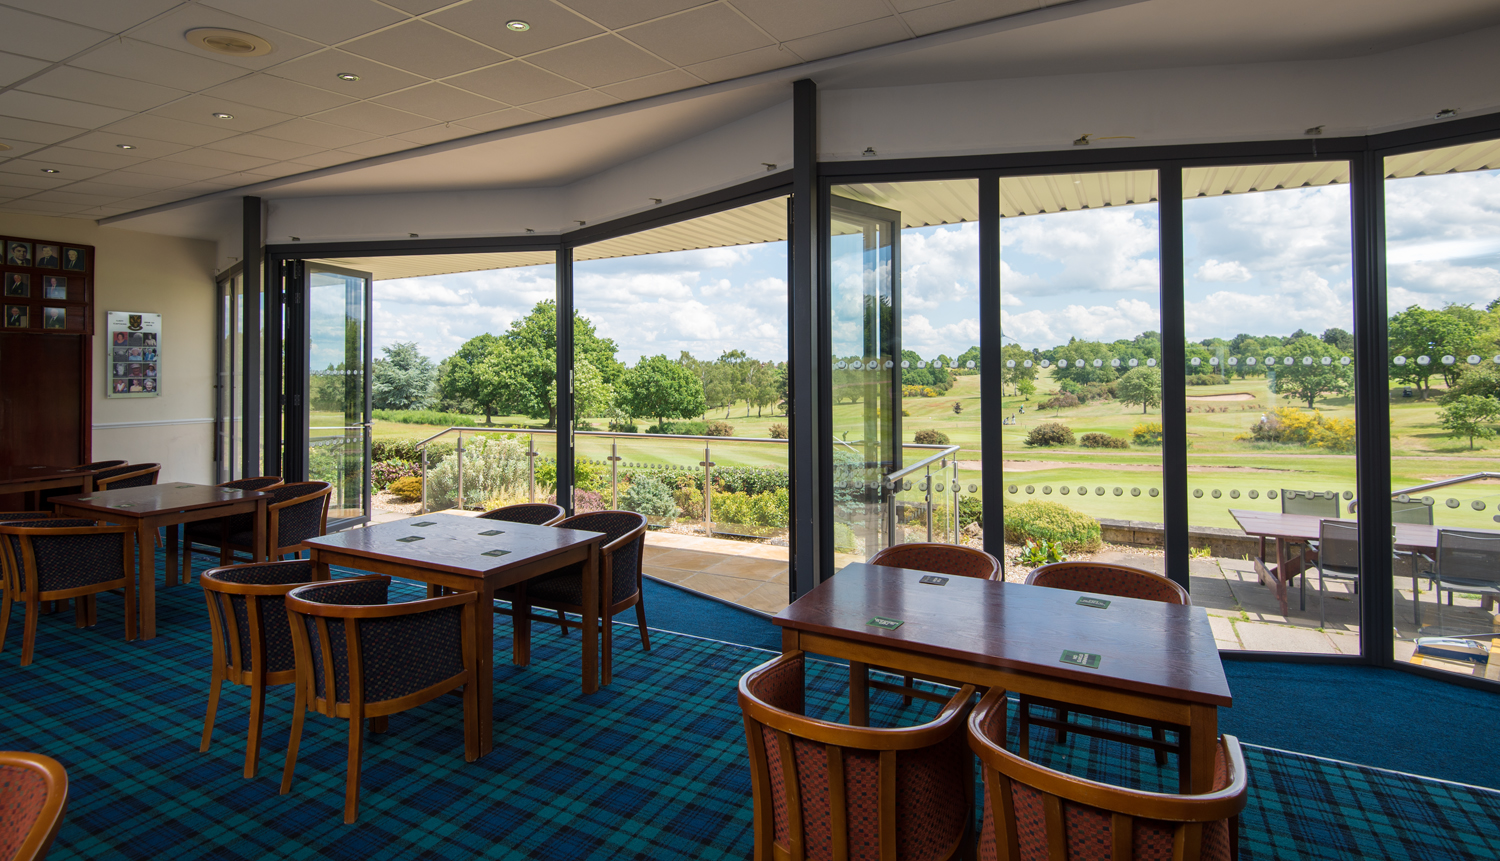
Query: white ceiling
{"points": [[80, 77]]}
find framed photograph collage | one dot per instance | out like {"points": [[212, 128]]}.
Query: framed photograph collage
{"points": [[47, 286], [134, 355]]}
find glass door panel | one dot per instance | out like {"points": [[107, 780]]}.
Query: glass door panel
{"points": [[229, 380], [337, 414]]}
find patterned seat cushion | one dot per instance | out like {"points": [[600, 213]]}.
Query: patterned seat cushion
{"points": [[71, 561], [565, 586], [280, 654], [23, 793]]}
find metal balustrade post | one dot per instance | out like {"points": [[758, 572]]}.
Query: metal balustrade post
{"points": [[708, 492], [460, 452], [614, 472], [531, 466], [927, 486], [955, 489], [890, 512], [422, 461]]}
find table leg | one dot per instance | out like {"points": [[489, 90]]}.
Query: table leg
{"points": [[1199, 743], [171, 530], [520, 626], [484, 666], [1282, 562], [146, 538], [591, 599], [859, 694], [260, 543]]}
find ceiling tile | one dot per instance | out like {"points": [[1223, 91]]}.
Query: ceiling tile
{"points": [[82, 85], [881, 31], [67, 155], [614, 14], [180, 171], [435, 134], [378, 146], [276, 171], [33, 167], [109, 142], [217, 159], [169, 31], [326, 159], [42, 208], [142, 181], [322, 70], [515, 83], [652, 85], [956, 13], [327, 21], [30, 106], [573, 103], [792, 19], [158, 128], [156, 198], [264, 147], [201, 109], [14, 67], [373, 118], [18, 148], [73, 197], [105, 189], [419, 47], [501, 120], [14, 129], [606, 59], [909, 5], [33, 180], [153, 64], [748, 63], [551, 25], [44, 38], [705, 33], [278, 94], [440, 101], [420, 7], [306, 131], [116, 16]]}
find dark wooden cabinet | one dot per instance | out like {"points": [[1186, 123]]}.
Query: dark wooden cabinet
{"points": [[44, 399]]}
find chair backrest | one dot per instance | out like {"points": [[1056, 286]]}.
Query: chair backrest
{"points": [[826, 790], [33, 796], [1411, 511], [535, 513], [13, 516], [623, 548], [1468, 556], [1034, 812], [131, 475], [99, 464], [1319, 503], [299, 510], [259, 482], [63, 554], [1109, 579], [374, 651], [247, 613], [954, 559], [1338, 546]]}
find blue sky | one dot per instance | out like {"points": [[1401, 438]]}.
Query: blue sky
{"points": [[1265, 263]]}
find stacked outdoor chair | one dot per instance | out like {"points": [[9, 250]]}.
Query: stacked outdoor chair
{"points": [[58, 559], [1034, 812], [1120, 581], [217, 530], [33, 796], [827, 790]]}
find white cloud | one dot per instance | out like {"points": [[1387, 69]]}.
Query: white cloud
{"points": [[921, 336], [1228, 271], [939, 265], [1098, 250], [1126, 318], [1302, 301]]}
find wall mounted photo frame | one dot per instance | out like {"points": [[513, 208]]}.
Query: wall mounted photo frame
{"points": [[51, 285], [131, 354]]}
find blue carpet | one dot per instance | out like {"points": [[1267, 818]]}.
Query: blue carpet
{"points": [[673, 608]]}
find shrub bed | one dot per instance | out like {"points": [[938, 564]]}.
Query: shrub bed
{"points": [[1037, 520], [1146, 433], [1050, 433], [930, 437], [1103, 440], [425, 417]]}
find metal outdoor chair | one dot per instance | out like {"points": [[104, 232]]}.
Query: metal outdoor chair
{"points": [[58, 559], [1034, 812], [33, 797], [1120, 581], [828, 790], [1337, 558], [1317, 503], [1465, 561]]}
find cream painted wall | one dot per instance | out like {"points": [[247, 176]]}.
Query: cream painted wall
{"points": [[155, 274]]}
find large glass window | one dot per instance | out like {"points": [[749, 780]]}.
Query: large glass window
{"points": [[1270, 405], [1443, 309]]}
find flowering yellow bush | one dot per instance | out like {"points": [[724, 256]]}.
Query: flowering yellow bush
{"points": [[1302, 427], [918, 392]]}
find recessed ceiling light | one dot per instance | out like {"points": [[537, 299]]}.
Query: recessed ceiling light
{"points": [[220, 115], [50, 170], [125, 146], [347, 76], [4, 147], [518, 26], [233, 43]]}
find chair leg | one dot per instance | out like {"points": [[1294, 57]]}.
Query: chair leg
{"points": [[214, 684], [351, 786], [560, 625], [607, 665], [1159, 734], [28, 635], [906, 681], [5, 601], [640, 621], [81, 612], [471, 721], [380, 724], [1024, 732], [257, 716], [299, 711], [93, 607], [1062, 734]]}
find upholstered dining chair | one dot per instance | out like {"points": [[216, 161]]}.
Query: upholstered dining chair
{"points": [[58, 559], [44, 497], [33, 796], [535, 513], [252, 641], [216, 529], [1121, 581], [827, 790], [1034, 812], [955, 560], [13, 516], [619, 577], [129, 475], [294, 513], [360, 657]]}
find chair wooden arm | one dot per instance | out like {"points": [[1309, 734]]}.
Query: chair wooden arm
{"points": [[49, 819]]}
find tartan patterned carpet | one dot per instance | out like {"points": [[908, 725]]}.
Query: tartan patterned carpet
{"points": [[653, 767]]}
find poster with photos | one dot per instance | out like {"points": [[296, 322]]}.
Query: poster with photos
{"points": [[134, 346]]}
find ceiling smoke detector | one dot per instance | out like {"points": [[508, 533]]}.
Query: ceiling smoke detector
{"points": [[231, 43]]}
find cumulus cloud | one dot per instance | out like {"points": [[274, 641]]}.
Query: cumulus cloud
{"points": [[1304, 300], [1097, 250], [939, 265], [1125, 318], [1229, 271]]}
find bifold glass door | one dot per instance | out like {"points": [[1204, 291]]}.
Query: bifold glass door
{"points": [[336, 409], [229, 379]]}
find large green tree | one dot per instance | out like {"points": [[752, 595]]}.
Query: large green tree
{"points": [[1470, 416], [1309, 380], [1014, 375], [1140, 386], [1419, 338], [404, 379], [462, 378], [661, 388]]}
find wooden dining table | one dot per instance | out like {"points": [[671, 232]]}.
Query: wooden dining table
{"points": [[165, 505], [32, 480], [468, 554], [1146, 660]]}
